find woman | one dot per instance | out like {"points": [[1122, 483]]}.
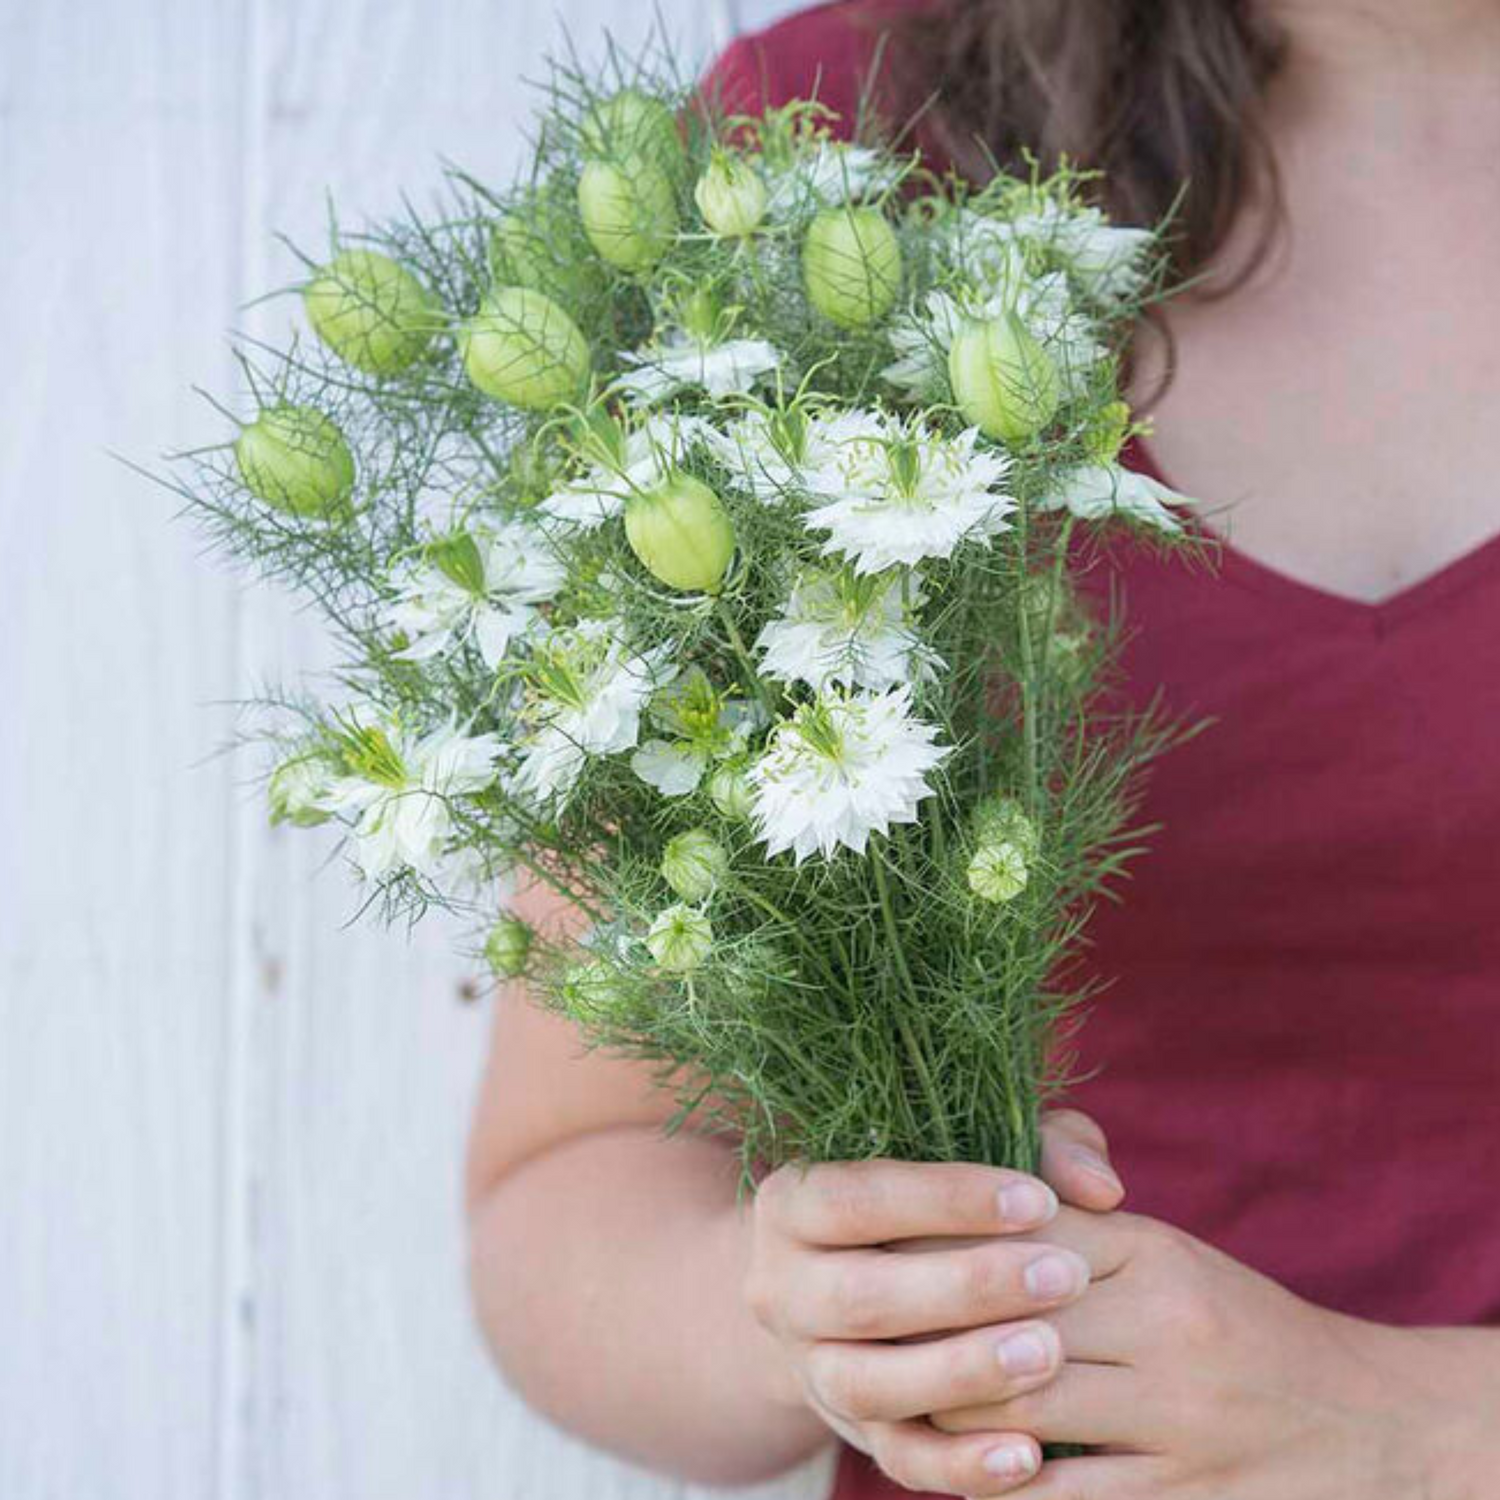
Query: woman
{"points": [[1301, 1057]]}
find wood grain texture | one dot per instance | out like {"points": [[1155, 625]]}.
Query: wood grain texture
{"points": [[230, 1128]]}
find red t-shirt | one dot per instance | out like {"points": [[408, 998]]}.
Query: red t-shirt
{"points": [[1299, 1057]]}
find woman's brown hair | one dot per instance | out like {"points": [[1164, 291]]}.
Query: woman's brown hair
{"points": [[1162, 96]]}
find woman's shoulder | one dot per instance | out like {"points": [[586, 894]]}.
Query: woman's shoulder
{"points": [[825, 51]]}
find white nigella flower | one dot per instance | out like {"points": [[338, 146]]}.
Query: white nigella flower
{"points": [[923, 336], [768, 450], [1107, 259], [841, 768], [839, 627], [1095, 492], [828, 174], [908, 495], [588, 691], [399, 786], [680, 360], [626, 459], [704, 726], [482, 588]]}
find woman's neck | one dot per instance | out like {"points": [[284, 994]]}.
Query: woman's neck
{"points": [[1398, 68]]}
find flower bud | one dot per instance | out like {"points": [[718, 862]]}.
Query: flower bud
{"points": [[371, 311], [730, 792], [731, 196], [521, 347], [296, 790], [507, 947], [629, 213], [851, 265], [1004, 820], [295, 459], [1003, 380], [593, 993], [1105, 436], [694, 864], [998, 872], [681, 533], [631, 125], [680, 939]]}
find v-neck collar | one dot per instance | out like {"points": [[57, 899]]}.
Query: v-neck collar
{"points": [[1379, 616]]}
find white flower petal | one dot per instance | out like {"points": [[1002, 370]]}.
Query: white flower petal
{"points": [[674, 770], [1095, 492]]}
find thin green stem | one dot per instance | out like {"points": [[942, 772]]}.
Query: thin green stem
{"points": [[920, 1062], [747, 663]]}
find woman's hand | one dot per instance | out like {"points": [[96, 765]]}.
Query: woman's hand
{"points": [[1200, 1379], [875, 1340]]}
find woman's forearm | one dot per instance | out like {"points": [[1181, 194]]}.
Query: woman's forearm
{"points": [[607, 1274]]}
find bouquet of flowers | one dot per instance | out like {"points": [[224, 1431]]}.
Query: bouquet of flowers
{"points": [[701, 523]]}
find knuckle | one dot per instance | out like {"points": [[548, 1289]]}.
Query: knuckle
{"points": [[899, 1459], [855, 1302], [1074, 1124], [983, 1277], [777, 1193], [759, 1292], [847, 1201], [843, 1385], [970, 1373]]}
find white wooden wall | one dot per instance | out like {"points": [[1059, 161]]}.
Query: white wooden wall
{"points": [[230, 1132]]}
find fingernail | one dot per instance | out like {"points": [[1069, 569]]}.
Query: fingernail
{"points": [[1056, 1275], [1096, 1166], [1026, 1203], [1025, 1353], [1011, 1461]]}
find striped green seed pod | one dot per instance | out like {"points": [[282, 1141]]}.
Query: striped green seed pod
{"points": [[295, 459], [521, 347], [372, 312], [629, 213], [851, 265]]}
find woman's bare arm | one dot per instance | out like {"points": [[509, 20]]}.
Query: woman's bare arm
{"points": [[608, 1263]]}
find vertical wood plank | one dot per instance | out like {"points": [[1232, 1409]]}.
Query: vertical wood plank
{"points": [[119, 209]]}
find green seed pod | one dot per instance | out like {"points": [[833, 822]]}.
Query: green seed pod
{"points": [[296, 790], [371, 311], [681, 533], [694, 864], [680, 939], [295, 459], [629, 213], [998, 872], [730, 792], [540, 244], [731, 196], [1005, 383], [631, 125], [521, 347], [507, 947], [851, 265]]}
